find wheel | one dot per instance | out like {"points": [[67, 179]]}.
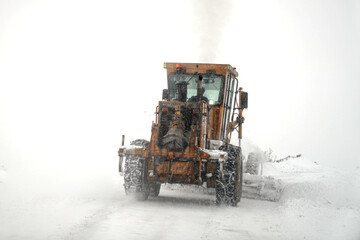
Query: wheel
{"points": [[252, 164], [229, 186], [154, 189], [134, 180]]}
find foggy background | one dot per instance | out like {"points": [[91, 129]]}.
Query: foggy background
{"points": [[76, 75]]}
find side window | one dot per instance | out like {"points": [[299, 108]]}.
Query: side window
{"points": [[227, 105]]}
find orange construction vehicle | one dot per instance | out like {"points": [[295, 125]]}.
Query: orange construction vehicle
{"points": [[190, 138]]}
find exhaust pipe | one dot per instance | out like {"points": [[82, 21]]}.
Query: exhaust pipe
{"points": [[182, 90], [199, 89]]}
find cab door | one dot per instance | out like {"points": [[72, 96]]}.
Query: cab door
{"points": [[228, 103]]}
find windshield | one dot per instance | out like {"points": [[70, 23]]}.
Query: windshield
{"points": [[212, 84]]}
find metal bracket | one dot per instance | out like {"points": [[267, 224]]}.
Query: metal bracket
{"points": [[222, 161], [121, 156]]}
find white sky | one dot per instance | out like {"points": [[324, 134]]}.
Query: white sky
{"points": [[76, 75]]}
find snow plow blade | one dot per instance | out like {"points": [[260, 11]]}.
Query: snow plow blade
{"points": [[261, 187]]}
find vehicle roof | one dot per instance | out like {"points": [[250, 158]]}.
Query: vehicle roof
{"points": [[201, 67]]}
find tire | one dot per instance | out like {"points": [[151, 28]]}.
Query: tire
{"points": [[252, 164], [229, 187], [134, 180], [154, 190]]}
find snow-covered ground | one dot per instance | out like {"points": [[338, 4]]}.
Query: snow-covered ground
{"points": [[317, 203]]}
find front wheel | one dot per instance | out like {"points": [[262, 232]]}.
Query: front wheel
{"points": [[134, 178]]}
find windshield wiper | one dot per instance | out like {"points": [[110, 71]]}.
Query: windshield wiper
{"points": [[195, 73]]}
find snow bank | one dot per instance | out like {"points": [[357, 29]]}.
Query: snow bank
{"points": [[325, 200]]}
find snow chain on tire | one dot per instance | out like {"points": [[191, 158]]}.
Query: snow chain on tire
{"points": [[134, 177], [229, 187], [252, 164]]}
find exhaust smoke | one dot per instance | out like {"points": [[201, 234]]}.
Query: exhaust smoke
{"points": [[210, 20]]}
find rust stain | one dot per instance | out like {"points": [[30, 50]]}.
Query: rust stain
{"points": [[177, 168]]}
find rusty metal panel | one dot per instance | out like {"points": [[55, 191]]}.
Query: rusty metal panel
{"points": [[177, 168]]}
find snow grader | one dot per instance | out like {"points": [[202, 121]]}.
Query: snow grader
{"points": [[190, 138]]}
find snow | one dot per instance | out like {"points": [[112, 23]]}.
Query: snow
{"points": [[317, 202], [325, 200], [215, 154]]}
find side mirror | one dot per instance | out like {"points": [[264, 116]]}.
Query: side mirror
{"points": [[165, 95], [244, 100]]}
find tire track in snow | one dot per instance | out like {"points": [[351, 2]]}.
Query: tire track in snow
{"points": [[173, 215], [215, 229], [90, 221]]}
